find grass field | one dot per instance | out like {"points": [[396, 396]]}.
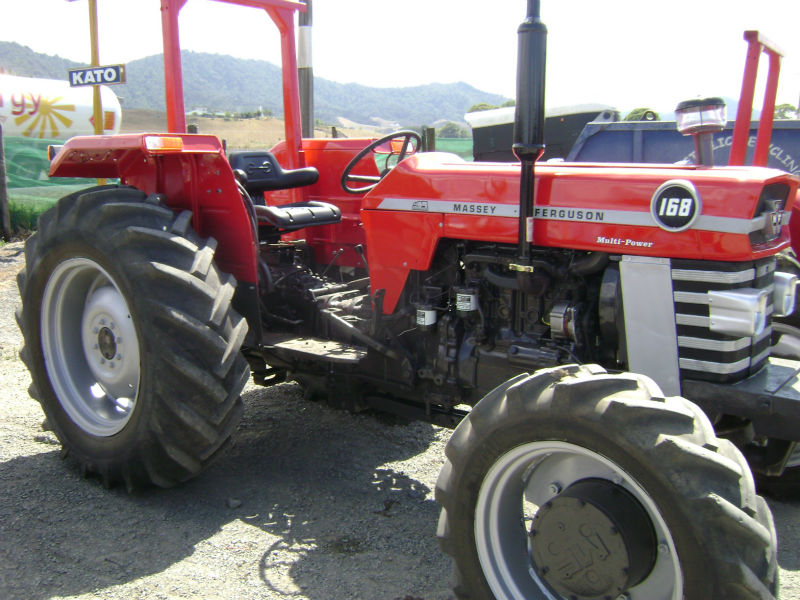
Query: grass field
{"points": [[239, 134]]}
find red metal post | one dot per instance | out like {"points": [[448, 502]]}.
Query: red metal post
{"points": [[284, 20], [281, 4], [282, 14], [292, 119], [741, 132], [761, 153], [173, 71]]}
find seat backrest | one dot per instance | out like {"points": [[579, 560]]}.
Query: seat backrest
{"points": [[264, 173]]}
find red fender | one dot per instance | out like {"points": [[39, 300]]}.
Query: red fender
{"points": [[190, 171]]}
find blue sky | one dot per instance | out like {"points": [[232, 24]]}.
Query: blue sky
{"points": [[621, 52]]}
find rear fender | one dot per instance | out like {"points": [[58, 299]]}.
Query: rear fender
{"points": [[190, 171]]}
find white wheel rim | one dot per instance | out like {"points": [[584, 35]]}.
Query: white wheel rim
{"points": [[530, 475], [90, 347]]}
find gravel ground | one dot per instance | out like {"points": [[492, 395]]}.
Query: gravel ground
{"points": [[310, 504]]}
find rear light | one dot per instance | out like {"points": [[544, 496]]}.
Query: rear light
{"points": [[158, 143]]}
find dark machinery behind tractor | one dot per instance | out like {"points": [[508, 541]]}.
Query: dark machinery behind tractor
{"points": [[381, 277]]}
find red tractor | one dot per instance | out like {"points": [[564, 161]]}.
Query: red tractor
{"points": [[379, 276]]}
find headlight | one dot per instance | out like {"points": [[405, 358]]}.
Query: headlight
{"points": [[742, 312], [783, 296], [701, 115]]}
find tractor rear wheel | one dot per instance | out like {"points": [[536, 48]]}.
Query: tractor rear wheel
{"points": [[576, 484], [130, 337]]}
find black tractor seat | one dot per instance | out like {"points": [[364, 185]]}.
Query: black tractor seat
{"points": [[258, 171], [264, 174], [290, 217]]}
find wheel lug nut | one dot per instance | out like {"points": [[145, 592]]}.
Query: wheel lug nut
{"points": [[96, 330], [554, 488], [102, 361], [663, 549], [102, 321], [111, 325]]}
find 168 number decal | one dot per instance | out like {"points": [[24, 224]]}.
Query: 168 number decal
{"points": [[675, 205]]}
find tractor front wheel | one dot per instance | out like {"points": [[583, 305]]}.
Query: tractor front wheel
{"points": [[576, 484], [130, 337]]}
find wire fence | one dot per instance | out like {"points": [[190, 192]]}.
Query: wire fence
{"points": [[29, 188], [460, 146]]}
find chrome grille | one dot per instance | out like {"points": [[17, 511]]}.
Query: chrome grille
{"points": [[710, 355]]}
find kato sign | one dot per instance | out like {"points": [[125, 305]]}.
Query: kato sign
{"points": [[108, 75]]}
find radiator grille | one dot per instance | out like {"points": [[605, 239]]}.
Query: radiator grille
{"points": [[710, 355]]}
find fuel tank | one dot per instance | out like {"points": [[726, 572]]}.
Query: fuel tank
{"points": [[51, 109]]}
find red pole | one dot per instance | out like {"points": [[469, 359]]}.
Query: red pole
{"points": [[741, 130], [284, 19], [173, 72], [282, 13], [761, 153]]}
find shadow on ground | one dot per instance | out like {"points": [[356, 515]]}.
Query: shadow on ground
{"points": [[316, 514], [788, 529]]}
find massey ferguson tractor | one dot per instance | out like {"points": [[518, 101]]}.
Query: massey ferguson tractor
{"points": [[554, 314]]}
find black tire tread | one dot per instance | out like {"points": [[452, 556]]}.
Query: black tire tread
{"points": [[183, 306], [709, 475]]}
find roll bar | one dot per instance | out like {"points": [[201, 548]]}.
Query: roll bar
{"points": [[282, 14]]}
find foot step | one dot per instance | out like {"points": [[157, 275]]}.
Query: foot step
{"points": [[314, 348]]}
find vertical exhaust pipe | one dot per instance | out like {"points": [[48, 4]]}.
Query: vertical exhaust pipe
{"points": [[305, 71], [529, 120]]}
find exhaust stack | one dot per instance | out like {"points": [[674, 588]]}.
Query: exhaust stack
{"points": [[305, 71], [529, 119]]}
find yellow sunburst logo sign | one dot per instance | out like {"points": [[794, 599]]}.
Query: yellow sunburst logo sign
{"points": [[44, 122]]}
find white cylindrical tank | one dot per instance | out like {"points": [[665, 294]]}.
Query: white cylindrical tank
{"points": [[52, 109]]}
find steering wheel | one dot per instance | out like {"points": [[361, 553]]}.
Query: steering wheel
{"points": [[372, 180]]}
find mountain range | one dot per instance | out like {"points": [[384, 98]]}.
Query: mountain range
{"points": [[217, 83]]}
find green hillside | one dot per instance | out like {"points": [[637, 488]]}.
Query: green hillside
{"points": [[225, 84]]}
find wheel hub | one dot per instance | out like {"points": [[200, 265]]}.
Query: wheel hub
{"points": [[90, 346], [107, 335], [106, 343], [593, 541]]}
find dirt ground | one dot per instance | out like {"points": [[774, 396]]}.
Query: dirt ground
{"points": [[310, 504]]}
